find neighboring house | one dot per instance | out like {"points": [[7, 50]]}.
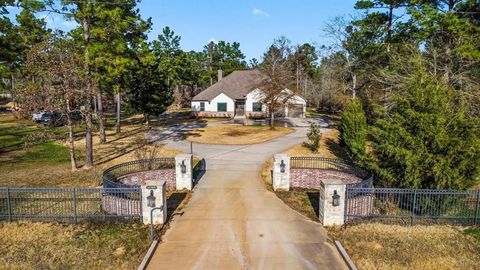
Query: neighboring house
{"points": [[239, 95]]}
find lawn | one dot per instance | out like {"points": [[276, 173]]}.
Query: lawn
{"points": [[47, 164], [376, 246], [27, 245], [236, 134]]}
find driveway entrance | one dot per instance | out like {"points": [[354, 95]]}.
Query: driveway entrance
{"points": [[233, 222]]}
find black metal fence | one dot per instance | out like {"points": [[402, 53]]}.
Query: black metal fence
{"points": [[70, 204], [328, 164], [110, 176], [412, 206]]}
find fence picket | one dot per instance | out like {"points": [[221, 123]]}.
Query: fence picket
{"points": [[72, 205], [412, 206]]}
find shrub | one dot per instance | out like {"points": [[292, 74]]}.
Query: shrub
{"points": [[354, 130], [314, 135]]}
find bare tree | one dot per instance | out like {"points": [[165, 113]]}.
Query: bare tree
{"points": [[338, 30], [279, 77], [58, 82]]}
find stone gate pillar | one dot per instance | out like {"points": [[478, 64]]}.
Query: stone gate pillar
{"points": [[183, 171], [332, 202], [281, 172], [153, 195]]}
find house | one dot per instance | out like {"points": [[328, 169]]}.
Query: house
{"points": [[239, 95]]}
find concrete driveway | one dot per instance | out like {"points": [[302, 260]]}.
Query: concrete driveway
{"points": [[234, 222]]}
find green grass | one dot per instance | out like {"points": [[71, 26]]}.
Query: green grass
{"points": [[475, 232]]}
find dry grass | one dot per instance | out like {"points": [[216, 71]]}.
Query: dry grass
{"points": [[27, 245], [35, 245], [375, 246], [47, 164], [236, 134], [304, 201], [329, 147]]}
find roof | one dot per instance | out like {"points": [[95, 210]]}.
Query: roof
{"points": [[236, 85]]}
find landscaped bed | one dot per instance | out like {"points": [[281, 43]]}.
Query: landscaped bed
{"points": [[376, 246], [236, 134]]}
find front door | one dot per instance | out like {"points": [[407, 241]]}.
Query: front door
{"points": [[239, 108]]}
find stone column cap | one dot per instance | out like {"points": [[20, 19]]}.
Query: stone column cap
{"points": [[280, 156], [183, 156], [155, 182]]}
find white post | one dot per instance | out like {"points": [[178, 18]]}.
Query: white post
{"points": [[155, 188], [331, 214], [183, 171], [281, 172]]}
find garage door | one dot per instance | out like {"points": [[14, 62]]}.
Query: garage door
{"points": [[295, 110]]}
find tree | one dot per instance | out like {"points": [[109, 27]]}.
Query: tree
{"points": [[225, 56], [386, 19], [117, 32], [150, 92], [58, 73], [314, 136], [278, 77], [304, 62], [427, 139], [354, 130]]}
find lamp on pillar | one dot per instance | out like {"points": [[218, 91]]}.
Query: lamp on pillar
{"points": [[151, 199], [183, 167], [282, 166], [336, 198]]}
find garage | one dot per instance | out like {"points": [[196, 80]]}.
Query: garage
{"points": [[295, 110]]}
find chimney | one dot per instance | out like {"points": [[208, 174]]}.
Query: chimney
{"points": [[220, 74]]}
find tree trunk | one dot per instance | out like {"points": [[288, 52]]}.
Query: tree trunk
{"points": [[354, 85], [117, 113], [88, 109], [389, 28], [272, 120], [147, 119], [12, 87], [71, 141], [101, 118]]}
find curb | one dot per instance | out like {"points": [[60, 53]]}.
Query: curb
{"points": [[148, 256], [345, 256]]}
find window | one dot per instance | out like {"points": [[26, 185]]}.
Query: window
{"points": [[202, 106], [257, 107], [222, 107]]}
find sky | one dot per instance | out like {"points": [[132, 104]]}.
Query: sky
{"points": [[254, 24]]}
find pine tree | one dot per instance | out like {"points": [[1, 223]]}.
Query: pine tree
{"points": [[354, 131], [427, 140]]}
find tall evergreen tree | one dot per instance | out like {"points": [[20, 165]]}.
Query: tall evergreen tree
{"points": [[427, 140]]}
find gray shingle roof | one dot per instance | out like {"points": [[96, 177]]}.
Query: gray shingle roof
{"points": [[236, 85]]}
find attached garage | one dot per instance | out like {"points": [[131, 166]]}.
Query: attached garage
{"points": [[295, 110]]}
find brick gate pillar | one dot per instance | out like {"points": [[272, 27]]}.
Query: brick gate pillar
{"points": [[153, 195], [183, 171], [332, 202], [281, 172]]}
